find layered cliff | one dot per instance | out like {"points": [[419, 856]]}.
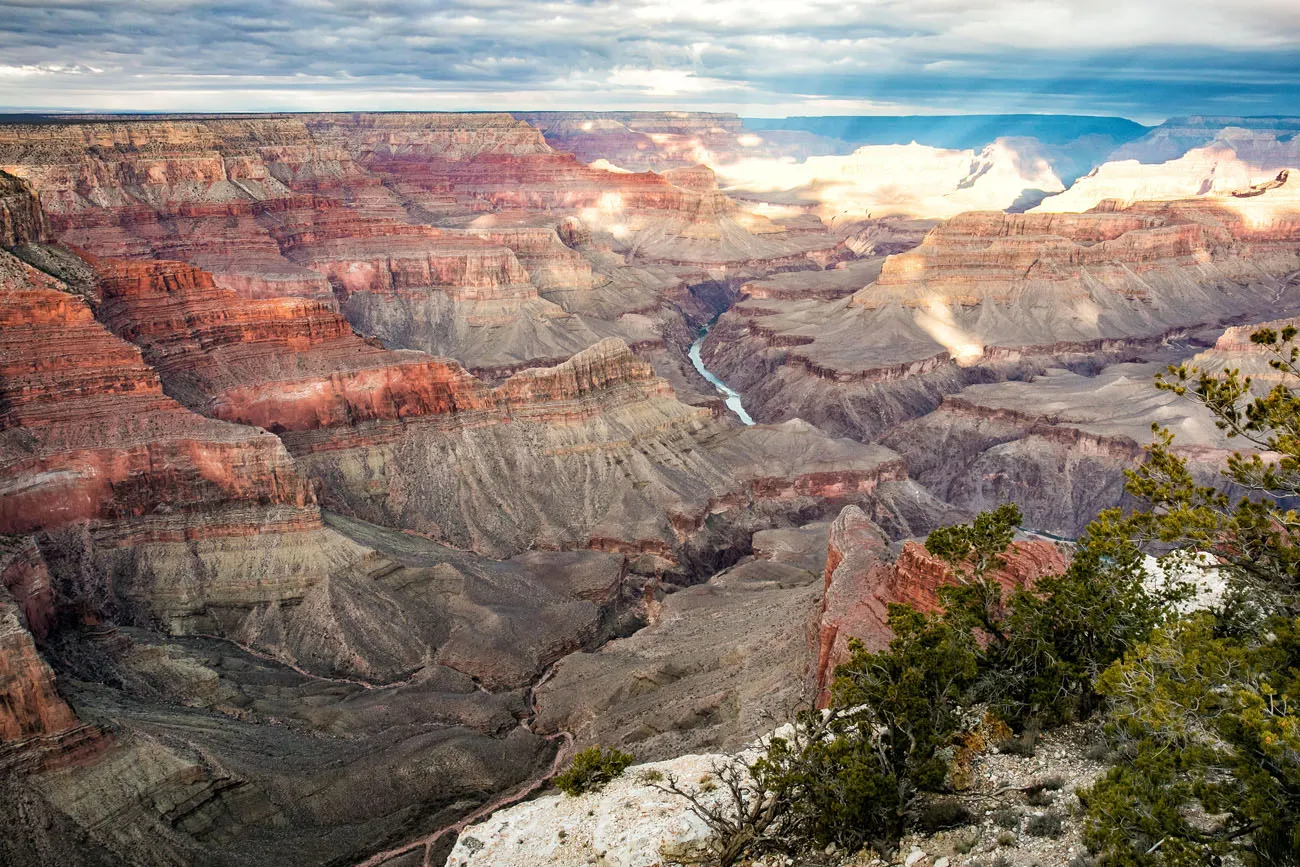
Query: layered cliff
{"points": [[38, 729], [991, 295], [342, 649], [21, 219], [141, 500], [1057, 445], [342, 208], [594, 452], [284, 364]]}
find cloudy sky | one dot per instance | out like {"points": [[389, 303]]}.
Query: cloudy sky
{"points": [[1145, 59]]}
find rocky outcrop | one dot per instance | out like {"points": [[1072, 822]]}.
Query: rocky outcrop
{"points": [[39, 731], [694, 678], [632, 822], [137, 497], [1057, 445], [1198, 172], [21, 219], [864, 576], [1235, 351], [30, 707], [283, 364]]}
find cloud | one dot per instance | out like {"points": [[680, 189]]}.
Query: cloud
{"points": [[1146, 58]]}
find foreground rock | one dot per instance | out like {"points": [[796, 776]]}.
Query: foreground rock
{"points": [[631, 823], [627, 824]]}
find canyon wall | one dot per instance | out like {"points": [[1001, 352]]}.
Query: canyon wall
{"points": [[413, 223], [989, 296]]}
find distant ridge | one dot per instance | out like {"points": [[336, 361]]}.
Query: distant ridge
{"points": [[956, 131]]}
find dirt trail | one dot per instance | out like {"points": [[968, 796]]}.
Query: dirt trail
{"points": [[561, 757]]}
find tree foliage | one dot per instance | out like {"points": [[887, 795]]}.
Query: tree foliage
{"points": [[1208, 709]]}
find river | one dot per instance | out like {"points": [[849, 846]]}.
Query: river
{"points": [[732, 398]]}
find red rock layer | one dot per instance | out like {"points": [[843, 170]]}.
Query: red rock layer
{"points": [[86, 432], [549, 263], [533, 181], [294, 366], [389, 258], [699, 178], [24, 576], [38, 730], [284, 364], [29, 704], [555, 393], [862, 580]]}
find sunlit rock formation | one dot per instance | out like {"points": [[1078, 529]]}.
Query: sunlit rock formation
{"points": [[901, 180], [991, 296], [462, 235]]}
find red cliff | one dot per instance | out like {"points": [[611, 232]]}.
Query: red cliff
{"points": [[863, 578]]}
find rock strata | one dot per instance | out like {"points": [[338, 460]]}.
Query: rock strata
{"points": [[991, 296]]}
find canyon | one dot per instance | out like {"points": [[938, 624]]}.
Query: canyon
{"points": [[355, 469]]}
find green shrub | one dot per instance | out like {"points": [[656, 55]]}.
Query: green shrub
{"points": [[1007, 818], [966, 843], [1039, 798], [591, 770], [940, 815], [1050, 824]]}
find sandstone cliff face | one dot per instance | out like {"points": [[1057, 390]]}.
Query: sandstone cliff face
{"points": [[1059, 444], [39, 731], [864, 576], [1234, 350], [695, 677], [594, 452], [30, 707], [283, 364]]}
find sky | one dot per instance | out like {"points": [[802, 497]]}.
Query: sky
{"points": [[1143, 59]]}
